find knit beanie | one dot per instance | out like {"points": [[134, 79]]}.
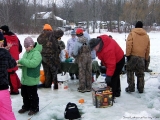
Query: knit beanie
{"points": [[94, 42], [73, 32], [5, 28], [1, 37], [28, 41], [139, 24], [47, 27], [79, 32]]}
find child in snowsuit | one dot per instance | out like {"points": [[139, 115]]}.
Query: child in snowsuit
{"points": [[30, 64]]}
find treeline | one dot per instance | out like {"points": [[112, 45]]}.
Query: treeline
{"points": [[18, 13]]}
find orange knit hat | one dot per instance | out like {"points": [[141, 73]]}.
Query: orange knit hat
{"points": [[47, 27]]}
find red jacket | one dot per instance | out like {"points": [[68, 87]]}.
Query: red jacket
{"points": [[110, 54], [14, 50]]}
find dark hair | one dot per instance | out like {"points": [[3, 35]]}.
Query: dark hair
{"points": [[110, 36]]}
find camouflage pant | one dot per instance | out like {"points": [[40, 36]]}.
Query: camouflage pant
{"points": [[50, 71], [135, 65], [85, 72]]}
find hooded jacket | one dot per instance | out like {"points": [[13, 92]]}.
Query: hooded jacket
{"points": [[138, 43], [110, 54], [49, 42], [31, 63], [6, 62], [16, 48]]}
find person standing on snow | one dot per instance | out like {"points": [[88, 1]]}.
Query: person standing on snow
{"points": [[30, 65], [137, 52], [112, 57], [15, 48], [70, 47], [82, 56], [6, 62], [50, 54]]}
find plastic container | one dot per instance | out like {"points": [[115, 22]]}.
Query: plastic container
{"points": [[52, 86]]}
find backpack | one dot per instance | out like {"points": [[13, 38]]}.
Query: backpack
{"points": [[71, 111], [84, 49]]}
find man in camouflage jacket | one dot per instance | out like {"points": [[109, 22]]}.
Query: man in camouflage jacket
{"points": [[50, 55]]}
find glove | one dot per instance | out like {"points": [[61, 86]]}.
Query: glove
{"points": [[108, 80], [128, 58]]}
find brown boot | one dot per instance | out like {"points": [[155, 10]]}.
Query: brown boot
{"points": [[22, 111], [32, 112]]}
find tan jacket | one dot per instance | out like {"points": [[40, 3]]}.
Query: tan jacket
{"points": [[138, 43]]}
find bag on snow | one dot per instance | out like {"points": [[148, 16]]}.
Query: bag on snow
{"points": [[71, 111]]}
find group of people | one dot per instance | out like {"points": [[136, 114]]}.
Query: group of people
{"points": [[10, 48], [47, 51], [13, 45], [113, 58], [53, 53]]}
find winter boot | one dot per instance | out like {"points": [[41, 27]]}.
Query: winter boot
{"points": [[81, 90], [130, 89], [22, 111], [130, 80], [32, 112]]}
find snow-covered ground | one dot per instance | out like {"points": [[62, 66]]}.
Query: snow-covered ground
{"points": [[133, 106]]}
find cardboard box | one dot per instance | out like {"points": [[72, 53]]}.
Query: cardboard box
{"points": [[102, 97]]}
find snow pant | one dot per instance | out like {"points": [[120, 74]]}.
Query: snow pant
{"points": [[14, 81], [135, 65], [50, 72], [85, 72], [30, 98], [115, 80], [6, 112]]}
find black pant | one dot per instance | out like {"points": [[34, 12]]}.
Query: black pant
{"points": [[115, 80], [30, 98]]}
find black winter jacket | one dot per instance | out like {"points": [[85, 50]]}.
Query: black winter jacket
{"points": [[6, 62]]}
